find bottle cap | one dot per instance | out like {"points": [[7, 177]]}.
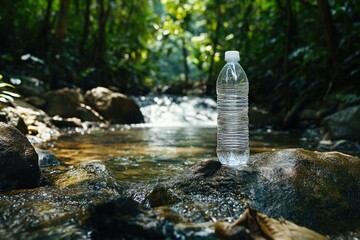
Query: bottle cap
{"points": [[232, 56]]}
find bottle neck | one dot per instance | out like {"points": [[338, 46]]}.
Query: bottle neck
{"points": [[232, 61]]}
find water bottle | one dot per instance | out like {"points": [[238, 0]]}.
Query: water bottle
{"points": [[232, 88]]}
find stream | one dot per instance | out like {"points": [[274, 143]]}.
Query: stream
{"points": [[179, 132]]}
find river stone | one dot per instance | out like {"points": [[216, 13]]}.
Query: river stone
{"points": [[113, 106], [124, 218], [320, 191], [18, 160], [37, 121], [344, 124], [63, 102], [9, 115], [47, 159]]}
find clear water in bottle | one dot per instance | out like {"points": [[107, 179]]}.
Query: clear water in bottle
{"points": [[232, 89]]}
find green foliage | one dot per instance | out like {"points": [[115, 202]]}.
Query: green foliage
{"points": [[144, 45], [6, 95], [347, 98]]}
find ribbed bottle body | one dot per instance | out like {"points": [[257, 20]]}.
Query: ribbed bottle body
{"points": [[233, 123]]}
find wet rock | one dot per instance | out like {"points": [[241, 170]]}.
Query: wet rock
{"points": [[37, 122], [113, 106], [18, 160], [9, 116], [125, 219], [161, 196], [47, 159], [318, 190], [56, 210], [344, 124], [86, 113], [66, 122]]}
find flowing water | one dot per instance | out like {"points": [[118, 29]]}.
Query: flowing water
{"points": [[179, 132]]}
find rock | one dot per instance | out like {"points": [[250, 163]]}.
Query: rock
{"points": [[37, 121], [36, 101], [161, 196], [47, 159], [29, 86], [18, 160], [124, 219], [345, 146], [86, 173], [68, 103], [8, 115], [57, 210], [63, 102], [113, 106], [344, 124], [320, 191], [66, 122], [86, 113]]}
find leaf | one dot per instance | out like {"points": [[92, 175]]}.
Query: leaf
{"points": [[3, 84], [12, 94]]}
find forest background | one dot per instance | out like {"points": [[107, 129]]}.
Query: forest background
{"points": [[295, 53]]}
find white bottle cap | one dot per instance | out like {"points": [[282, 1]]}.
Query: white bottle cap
{"points": [[232, 56]]}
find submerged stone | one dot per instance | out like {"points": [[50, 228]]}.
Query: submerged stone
{"points": [[317, 190], [18, 160], [56, 210], [47, 159]]}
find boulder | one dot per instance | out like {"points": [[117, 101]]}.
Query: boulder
{"points": [[344, 124], [68, 103], [18, 160], [320, 191], [113, 106], [63, 102]]}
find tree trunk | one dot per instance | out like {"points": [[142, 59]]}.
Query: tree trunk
{"points": [[331, 41], [85, 33], [62, 23], [42, 39], [100, 42]]}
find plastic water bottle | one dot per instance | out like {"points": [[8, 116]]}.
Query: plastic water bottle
{"points": [[232, 88]]}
